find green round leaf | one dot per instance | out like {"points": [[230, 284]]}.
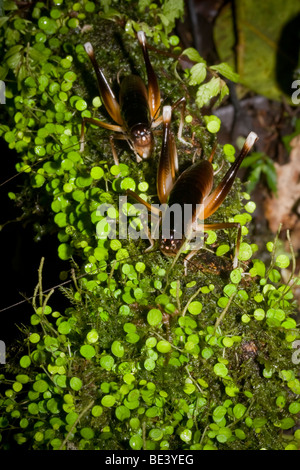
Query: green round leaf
{"points": [[163, 346], [117, 349], [87, 433], [245, 252], [25, 361], [107, 362], [154, 317], [220, 370], [34, 338], [132, 338], [239, 410], [53, 405], [108, 401], [282, 261], [235, 276], [33, 408], [75, 383], [224, 434], [122, 413], [195, 307], [259, 314], [156, 434], [97, 172], [92, 336], [97, 410], [136, 442], [64, 328], [149, 364], [87, 351], [222, 249], [40, 386], [128, 183], [22, 378], [219, 413], [287, 423], [228, 341], [294, 408], [186, 435], [64, 251]]}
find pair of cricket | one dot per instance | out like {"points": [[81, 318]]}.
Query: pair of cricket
{"points": [[137, 114]]}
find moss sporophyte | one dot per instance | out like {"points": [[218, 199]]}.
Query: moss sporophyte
{"points": [[143, 356]]}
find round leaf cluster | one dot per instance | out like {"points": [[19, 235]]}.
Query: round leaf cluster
{"points": [[144, 357]]}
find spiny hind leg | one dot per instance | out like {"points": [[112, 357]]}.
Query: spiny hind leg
{"points": [[201, 228]]}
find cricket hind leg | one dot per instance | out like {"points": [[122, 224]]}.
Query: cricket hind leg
{"points": [[217, 226]]}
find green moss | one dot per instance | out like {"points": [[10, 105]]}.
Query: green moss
{"points": [[144, 357]]}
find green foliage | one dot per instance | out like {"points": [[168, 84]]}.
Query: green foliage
{"points": [[259, 41], [158, 18], [144, 357], [215, 85], [260, 166], [218, 374]]}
